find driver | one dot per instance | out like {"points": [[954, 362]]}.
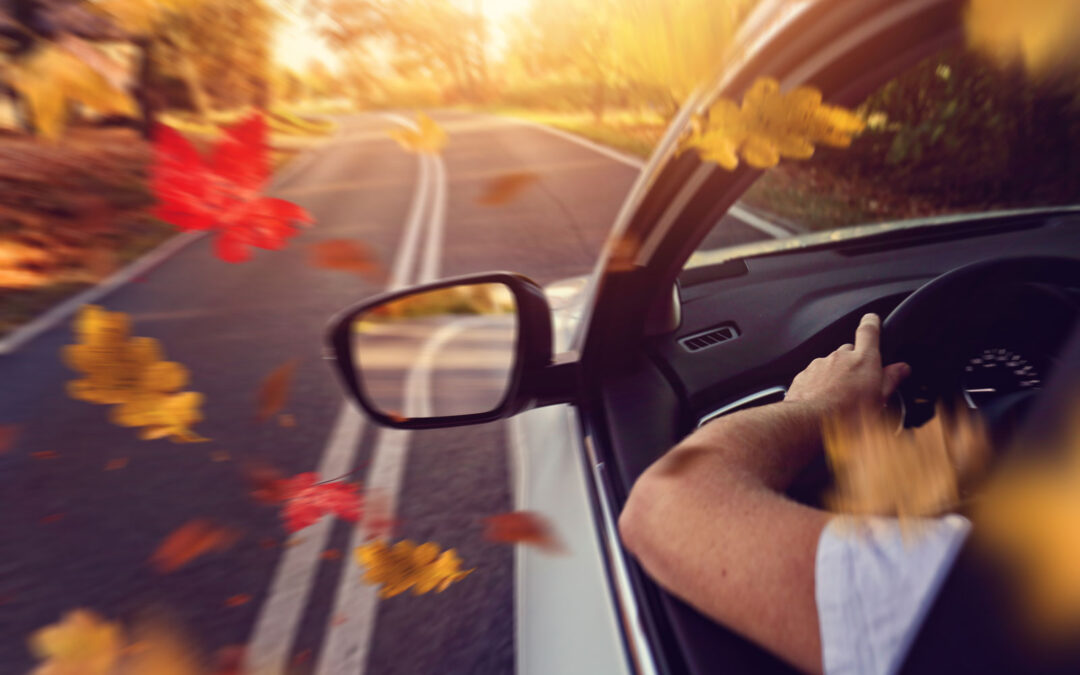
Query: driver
{"points": [[711, 523]]}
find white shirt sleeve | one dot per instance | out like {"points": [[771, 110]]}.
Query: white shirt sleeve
{"points": [[875, 581]]}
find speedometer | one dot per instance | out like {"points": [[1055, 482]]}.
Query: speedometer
{"points": [[997, 372]]}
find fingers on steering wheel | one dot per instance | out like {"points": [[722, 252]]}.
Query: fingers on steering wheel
{"points": [[891, 377], [868, 334]]}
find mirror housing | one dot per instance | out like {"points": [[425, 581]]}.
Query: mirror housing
{"points": [[535, 379]]}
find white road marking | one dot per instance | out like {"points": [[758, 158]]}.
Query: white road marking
{"points": [[429, 268], [352, 621], [19, 337], [279, 617], [751, 219], [351, 624]]}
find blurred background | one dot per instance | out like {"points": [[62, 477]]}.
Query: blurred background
{"points": [[417, 140]]}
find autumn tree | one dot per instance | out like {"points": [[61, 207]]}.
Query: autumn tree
{"points": [[574, 40], [219, 49]]}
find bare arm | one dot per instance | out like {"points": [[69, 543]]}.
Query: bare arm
{"points": [[709, 520]]}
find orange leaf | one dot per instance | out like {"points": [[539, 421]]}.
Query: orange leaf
{"points": [[378, 520], [506, 188], [8, 434], [521, 527], [301, 657], [331, 554], [219, 456], [237, 600], [44, 454], [189, 541], [267, 484], [275, 389], [346, 255], [118, 463]]}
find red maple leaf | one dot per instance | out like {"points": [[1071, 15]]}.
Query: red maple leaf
{"points": [[224, 193], [307, 500]]}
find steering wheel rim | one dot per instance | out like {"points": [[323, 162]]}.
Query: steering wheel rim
{"points": [[924, 321]]}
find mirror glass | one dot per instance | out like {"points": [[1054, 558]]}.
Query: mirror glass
{"points": [[437, 353]]}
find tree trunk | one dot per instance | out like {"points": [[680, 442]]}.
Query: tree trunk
{"points": [[190, 75], [147, 99], [599, 100]]}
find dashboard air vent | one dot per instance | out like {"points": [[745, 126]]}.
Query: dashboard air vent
{"points": [[713, 336]]}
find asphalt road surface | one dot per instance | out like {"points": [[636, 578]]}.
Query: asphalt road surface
{"points": [[73, 534]]}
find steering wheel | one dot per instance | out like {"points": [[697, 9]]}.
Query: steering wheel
{"points": [[932, 326]]}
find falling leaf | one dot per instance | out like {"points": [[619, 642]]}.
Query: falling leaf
{"points": [[405, 565], [49, 77], [230, 660], [506, 188], [223, 194], [339, 620], [306, 501], [267, 484], [286, 420], [379, 521], [131, 374], [770, 125], [191, 540], [116, 464], [427, 137], [331, 554], [1029, 515], [8, 434], [44, 454], [237, 600], [159, 648], [82, 643], [1039, 34], [911, 473], [52, 518], [220, 456], [274, 390], [624, 253], [346, 255], [521, 527]]}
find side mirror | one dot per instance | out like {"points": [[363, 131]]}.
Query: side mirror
{"points": [[461, 351]]}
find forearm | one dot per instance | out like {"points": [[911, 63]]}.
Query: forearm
{"points": [[767, 446], [710, 523]]}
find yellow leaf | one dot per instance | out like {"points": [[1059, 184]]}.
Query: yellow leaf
{"points": [[50, 76], [405, 565], [911, 473], [770, 125], [131, 374], [81, 644], [427, 137], [1038, 33], [1029, 514]]}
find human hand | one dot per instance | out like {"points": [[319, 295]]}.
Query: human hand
{"points": [[851, 377]]}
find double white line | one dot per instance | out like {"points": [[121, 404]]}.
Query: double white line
{"points": [[351, 621]]}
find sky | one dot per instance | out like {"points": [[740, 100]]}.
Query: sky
{"points": [[297, 43]]}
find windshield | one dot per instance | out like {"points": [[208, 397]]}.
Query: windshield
{"points": [[954, 134]]}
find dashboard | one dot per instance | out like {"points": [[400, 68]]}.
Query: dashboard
{"points": [[783, 311]]}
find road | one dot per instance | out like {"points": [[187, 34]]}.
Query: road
{"points": [[73, 534]]}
